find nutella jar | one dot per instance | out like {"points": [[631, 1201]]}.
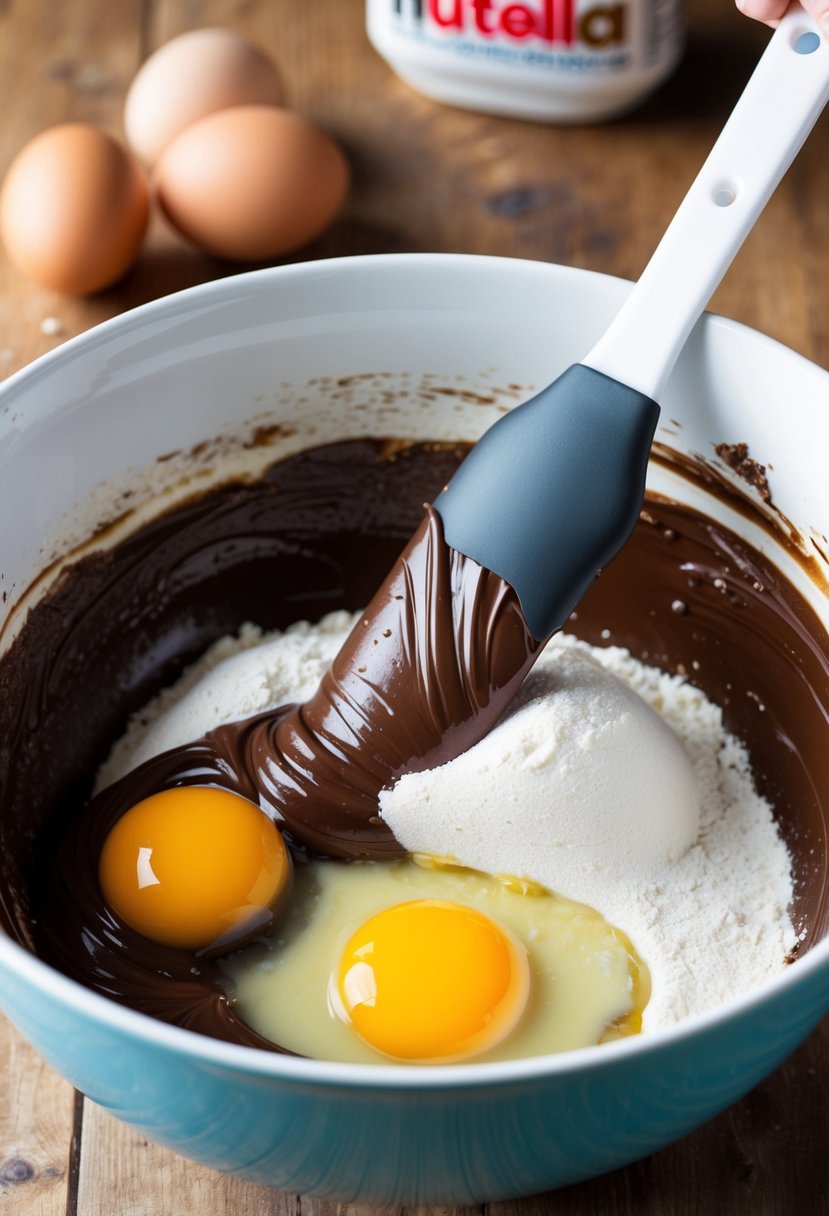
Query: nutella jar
{"points": [[549, 60]]}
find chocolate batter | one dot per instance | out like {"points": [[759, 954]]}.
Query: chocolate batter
{"points": [[319, 532]]}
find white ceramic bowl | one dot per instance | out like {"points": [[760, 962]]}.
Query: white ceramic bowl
{"points": [[219, 359]]}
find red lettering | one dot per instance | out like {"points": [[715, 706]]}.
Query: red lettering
{"points": [[553, 21], [481, 8], [453, 21], [518, 21], [568, 32]]}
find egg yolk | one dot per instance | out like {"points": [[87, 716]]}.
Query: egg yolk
{"points": [[431, 981], [195, 868]]}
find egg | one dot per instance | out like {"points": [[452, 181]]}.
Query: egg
{"points": [[195, 868], [252, 182], [73, 209], [196, 74], [419, 961], [431, 981]]}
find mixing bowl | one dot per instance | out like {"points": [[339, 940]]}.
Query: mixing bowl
{"points": [[422, 346]]}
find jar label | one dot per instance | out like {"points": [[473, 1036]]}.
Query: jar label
{"points": [[589, 34]]}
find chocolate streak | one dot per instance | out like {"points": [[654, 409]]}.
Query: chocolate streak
{"points": [[685, 594], [428, 670]]}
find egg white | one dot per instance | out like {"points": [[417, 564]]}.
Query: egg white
{"points": [[586, 982]]}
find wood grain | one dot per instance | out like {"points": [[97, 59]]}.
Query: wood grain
{"points": [[36, 1123], [148, 1181], [425, 178]]}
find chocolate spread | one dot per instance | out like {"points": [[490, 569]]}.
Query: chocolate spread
{"points": [[445, 645]]}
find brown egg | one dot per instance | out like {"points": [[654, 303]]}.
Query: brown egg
{"points": [[252, 183], [73, 209], [196, 74]]}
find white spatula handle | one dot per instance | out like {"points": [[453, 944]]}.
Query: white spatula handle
{"points": [[777, 110]]}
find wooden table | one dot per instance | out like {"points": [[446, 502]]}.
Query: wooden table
{"points": [[425, 178]]}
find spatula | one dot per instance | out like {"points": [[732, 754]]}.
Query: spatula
{"points": [[553, 490]]}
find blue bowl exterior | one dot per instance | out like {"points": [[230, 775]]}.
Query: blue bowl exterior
{"points": [[463, 1143]]}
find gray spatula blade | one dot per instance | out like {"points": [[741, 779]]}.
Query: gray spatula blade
{"points": [[553, 490]]}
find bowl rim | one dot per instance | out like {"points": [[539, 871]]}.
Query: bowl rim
{"points": [[51, 984], [388, 264]]}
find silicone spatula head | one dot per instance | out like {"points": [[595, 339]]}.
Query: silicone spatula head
{"points": [[575, 459]]}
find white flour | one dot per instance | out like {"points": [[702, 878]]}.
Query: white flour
{"points": [[710, 925]]}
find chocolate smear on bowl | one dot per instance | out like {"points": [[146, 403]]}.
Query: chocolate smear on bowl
{"points": [[736, 456]]}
